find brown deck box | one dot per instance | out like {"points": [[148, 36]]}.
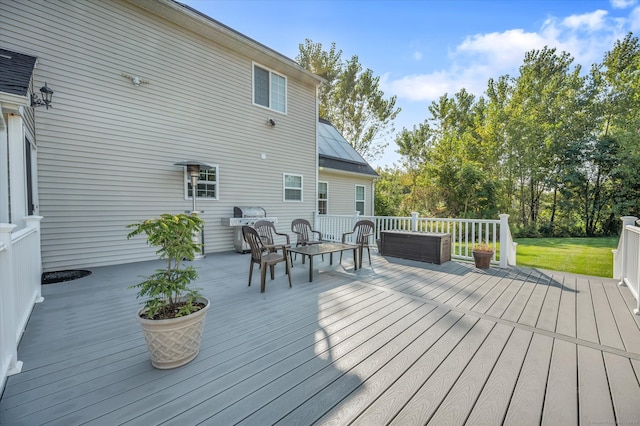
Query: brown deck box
{"points": [[423, 246]]}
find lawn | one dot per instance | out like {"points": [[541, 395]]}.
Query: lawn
{"points": [[587, 256]]}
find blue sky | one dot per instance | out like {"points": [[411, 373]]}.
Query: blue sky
{"points": [[422, 49]]}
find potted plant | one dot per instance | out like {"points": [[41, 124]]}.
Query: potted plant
{"points": [[482, 254], [173, 314]]}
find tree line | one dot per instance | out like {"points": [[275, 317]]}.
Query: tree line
{"points": [[555, 147]]}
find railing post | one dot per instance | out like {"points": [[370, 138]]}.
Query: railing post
{"points": [[414, 221], [8, 312], [622, 251], [504, 240], [34, 222]]}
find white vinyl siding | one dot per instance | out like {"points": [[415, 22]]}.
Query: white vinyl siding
{"points": [[342, 197], [106, 150], [269, 89]]}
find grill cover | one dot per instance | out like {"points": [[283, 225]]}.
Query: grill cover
{"points": [[249, 212]]}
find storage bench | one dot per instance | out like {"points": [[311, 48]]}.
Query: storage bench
{"points": [[429, 247]]}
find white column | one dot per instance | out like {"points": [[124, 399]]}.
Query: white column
{"points": [[36, 256], [619, 271], [504, 240], [17, 175], [414, 221], [8, 304]]}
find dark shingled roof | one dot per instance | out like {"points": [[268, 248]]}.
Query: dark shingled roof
{"points": [[15, 72], [336, 153]]}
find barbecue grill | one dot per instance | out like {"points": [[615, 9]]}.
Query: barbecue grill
{"points": [[247, 215]]}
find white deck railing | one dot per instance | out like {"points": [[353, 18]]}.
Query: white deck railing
{"points": [[464, 232], [20, 281], [627, 258]]}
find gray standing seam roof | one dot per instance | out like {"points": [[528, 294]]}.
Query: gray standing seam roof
{"points": [[15, 72], [336, 153]]}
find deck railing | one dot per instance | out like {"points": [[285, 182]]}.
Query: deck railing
{"points": [[20, 281], [626, 258], [464, 232]]}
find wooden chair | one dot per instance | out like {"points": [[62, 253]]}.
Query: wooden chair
{"points": [[363, 229], [304, 234], [264, 256]]}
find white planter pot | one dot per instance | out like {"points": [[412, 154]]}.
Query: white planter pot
{"points": [[176, 341]]}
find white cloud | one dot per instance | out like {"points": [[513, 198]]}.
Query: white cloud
{"points": [[417, 55], [592, 21], [634, 20], [483, 56], [622, 4]]}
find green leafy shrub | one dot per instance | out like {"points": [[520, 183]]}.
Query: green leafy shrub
{"points": [[167, 289]]}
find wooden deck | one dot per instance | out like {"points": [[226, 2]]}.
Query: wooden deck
{"points": [[401, 342]]}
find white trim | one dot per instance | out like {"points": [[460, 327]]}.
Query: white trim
{"points": [[253, 88], [324, 199], [187, 181], [363, 201], [284, 188]]}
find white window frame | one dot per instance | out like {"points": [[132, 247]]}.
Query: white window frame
{"points": [[215, 184], [364, 198], [271, 95], [326, 200], [285, 188]]}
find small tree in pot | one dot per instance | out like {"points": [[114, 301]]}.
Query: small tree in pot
{"points": [[171, 306]]}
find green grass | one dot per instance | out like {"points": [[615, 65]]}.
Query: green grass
{"points": [[587, 256]]}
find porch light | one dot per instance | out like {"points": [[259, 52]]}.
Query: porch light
{"points": [[193, 169], [47, 95]]}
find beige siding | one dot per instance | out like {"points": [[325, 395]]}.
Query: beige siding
{"points": [[106, 149], [342, 191]]}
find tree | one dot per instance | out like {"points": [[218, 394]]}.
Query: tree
{"points": [[351, 98], [540, 124]]}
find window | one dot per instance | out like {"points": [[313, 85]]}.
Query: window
{"points": [[292, 187], [269, 89], [360, 199], [207, 184], [323, 197]]}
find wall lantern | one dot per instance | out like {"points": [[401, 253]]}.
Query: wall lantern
{"points": [[47, 95]]}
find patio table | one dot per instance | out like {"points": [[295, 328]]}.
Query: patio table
{"points": [[325, 248]]}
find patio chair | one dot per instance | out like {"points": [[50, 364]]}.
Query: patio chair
{"points": [[304, 234], [363, 229], [264, 256], [267, 231]]}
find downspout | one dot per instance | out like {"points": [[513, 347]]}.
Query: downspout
{"points": [[315, 196]]}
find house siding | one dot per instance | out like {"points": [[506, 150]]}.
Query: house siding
{"points": [[107, 147], [342, 192]]}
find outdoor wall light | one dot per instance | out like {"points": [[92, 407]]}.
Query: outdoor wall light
{"points": [[47, 94], [271, 122]]}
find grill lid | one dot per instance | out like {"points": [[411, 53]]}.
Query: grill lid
{"points": [[249, 212]]}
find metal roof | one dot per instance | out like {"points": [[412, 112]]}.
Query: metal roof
{"points": [[336, 153], [15, 72]]}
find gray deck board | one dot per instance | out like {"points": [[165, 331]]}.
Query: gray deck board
{"points": [[585, 317], [566, 323], [561, 398], [527, 400], [397, 342], [594, 396], [491, 406]]}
